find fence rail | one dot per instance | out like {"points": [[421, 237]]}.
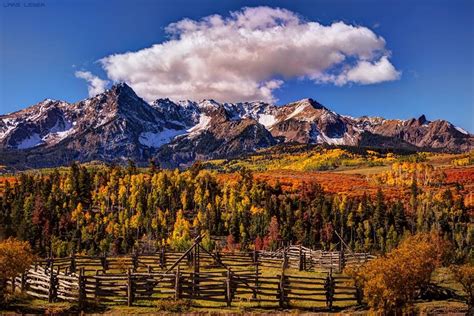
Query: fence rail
{"points": [[132, 287], [297, 257], [195, 275]]}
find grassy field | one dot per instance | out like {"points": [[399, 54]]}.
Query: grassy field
{"points": [[364, 170], [27, 305]]}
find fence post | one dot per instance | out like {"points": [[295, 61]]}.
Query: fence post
{"points": [[13, 284], [285, 260], [254, 295], [129, 288], [359, 294], [281, 289], [135, 261], [177, 285], [341, 260], [217, 256], [300, 254], [97, 283], [72, 264], [304, 261], [329, 287], [82, 288], [228, 288], [196, 270], [162, 258], [103, 262], [23, 281], [330, 260], [52, 285], [189, 258]]}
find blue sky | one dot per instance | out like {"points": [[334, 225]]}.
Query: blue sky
{"points": [[429, 42]]}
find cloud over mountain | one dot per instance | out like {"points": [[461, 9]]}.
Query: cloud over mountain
{"points": [[248, 55], [95, 85]]}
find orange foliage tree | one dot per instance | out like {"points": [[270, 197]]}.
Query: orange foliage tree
{"points": [[15, 258], [464, 274], [273, 238], [391, 282]]}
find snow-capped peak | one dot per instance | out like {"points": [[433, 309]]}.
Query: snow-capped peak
{"points": [[209, 104], [462, 130], [118, 123]]}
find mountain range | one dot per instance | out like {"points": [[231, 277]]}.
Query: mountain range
{"points": [[117, 125]]}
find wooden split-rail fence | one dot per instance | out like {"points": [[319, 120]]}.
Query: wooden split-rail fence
{"points": [[305, 259], [197, 275]]}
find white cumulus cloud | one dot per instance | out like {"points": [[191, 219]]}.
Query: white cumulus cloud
{"points": [[366, 72], [248, 55], [95, 85]]}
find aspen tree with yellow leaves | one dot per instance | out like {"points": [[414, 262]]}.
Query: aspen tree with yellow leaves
{"points": [[180, 238]]}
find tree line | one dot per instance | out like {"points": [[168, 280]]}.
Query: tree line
{"points": [[116, 209]]}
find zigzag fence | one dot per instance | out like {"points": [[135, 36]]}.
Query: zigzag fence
{"points": [[305, 259], [195, 275]]}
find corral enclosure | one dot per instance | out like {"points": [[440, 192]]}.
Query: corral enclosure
{"points": [[294, 276]]}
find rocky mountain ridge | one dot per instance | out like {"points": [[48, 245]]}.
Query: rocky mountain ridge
{"points": [[118, 124]]}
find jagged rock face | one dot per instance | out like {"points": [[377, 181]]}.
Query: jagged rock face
{"points": [[423, 134], [118, 125], [307, 121]]}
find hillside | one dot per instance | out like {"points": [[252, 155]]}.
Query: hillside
{"points": [[355, 172]]}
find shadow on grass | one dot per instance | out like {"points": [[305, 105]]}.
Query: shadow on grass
{"points": [[24, 304]]}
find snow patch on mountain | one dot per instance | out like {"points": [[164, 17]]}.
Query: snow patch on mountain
{"points": [[461, 130], [158, 139], [208, 104], [9, 125], [203, 123], [104, 119], [267, 120], [61, 126], [58, 133], [322, 138], [300, 108], [32, 141]]}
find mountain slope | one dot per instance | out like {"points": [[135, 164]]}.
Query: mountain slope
{"points": [[118, 124]]}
